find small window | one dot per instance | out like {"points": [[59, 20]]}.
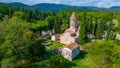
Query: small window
{"points": [[74, 34]]}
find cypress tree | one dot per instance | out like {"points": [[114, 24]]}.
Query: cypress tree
{"points": [[57, 25], [83, 31], [99, 31], [109, 31], [89, 24], [94, 27]]}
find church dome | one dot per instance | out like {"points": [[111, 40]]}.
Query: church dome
{"points": [[73, 17]]}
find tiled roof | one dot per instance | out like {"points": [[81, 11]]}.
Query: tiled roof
{"points": [[57, 35], [70, 31], [71, 46]]}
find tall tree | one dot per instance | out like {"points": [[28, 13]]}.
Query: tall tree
{"points": [[50, 20], [83, 31], [109, 30], [94, 27], [57, 24], [99, 31], [18, 38], [57, 61]]}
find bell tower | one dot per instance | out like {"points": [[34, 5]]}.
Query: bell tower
{"points": [[73, 22]]}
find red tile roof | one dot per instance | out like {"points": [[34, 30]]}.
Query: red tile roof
{"points": [[72, 46], [57, 35], [70, 31]]}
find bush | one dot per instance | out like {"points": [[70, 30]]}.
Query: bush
{"points": [[57, 61]]}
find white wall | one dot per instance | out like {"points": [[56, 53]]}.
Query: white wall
{"points": [[118, 36], [66, 53], [53, 38]]}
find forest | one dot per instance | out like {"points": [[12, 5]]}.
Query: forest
{"points": [[22, 47]]}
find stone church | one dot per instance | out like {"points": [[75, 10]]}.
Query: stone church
{"points": [[71, 34], [70, 39]]}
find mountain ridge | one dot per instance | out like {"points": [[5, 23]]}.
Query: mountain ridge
{"points": [[57, 7]]}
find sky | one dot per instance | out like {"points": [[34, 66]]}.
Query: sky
{"points": [[97, 3]]}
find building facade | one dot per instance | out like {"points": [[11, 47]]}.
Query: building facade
{"points": [[118, 36], [55, 37], [70, 51], [70, 39], [71, 34]]}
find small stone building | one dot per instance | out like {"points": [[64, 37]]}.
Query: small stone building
{"points": [[45, 34], [118, 36], [70, 51], [55, 37]]}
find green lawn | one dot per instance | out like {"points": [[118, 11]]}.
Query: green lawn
{"points": [[79, 62], [56, 45], [50, 45], [83, 60]]}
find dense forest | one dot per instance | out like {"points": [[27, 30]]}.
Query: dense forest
{"points": [[22, 46]]}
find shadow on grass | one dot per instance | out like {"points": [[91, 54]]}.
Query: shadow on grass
{"points": [[41, 64], [69, 64], [81, 55]]}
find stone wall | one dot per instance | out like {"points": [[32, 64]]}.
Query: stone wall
{"points": [[66, 53], [66, 39], [75, 52]]}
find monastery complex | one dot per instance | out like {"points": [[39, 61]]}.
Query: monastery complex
{"points": [[70, 39]]}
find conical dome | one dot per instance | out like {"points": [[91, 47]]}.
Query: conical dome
{"points": [[73, 22], [73, 17]]}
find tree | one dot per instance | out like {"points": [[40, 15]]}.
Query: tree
{"points": [[94, 27], [18, 37], [57, 24], [83, 31], [50, 20], [109, 32], [57, 61], [99, 31], [36, 50], [20, 15], [89, 24], [39, 25], [64, 26]]}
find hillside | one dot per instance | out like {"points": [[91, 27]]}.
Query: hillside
{"points": [[58, 7], [17, 4], [117, 7], [51, 7]]}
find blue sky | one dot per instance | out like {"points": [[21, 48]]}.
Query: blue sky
{"points": [[97, 3]]}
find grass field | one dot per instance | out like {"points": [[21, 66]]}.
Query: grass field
{"points": [[84, 60]]}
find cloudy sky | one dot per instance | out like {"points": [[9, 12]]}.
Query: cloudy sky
{"points": [[97, 3]]}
